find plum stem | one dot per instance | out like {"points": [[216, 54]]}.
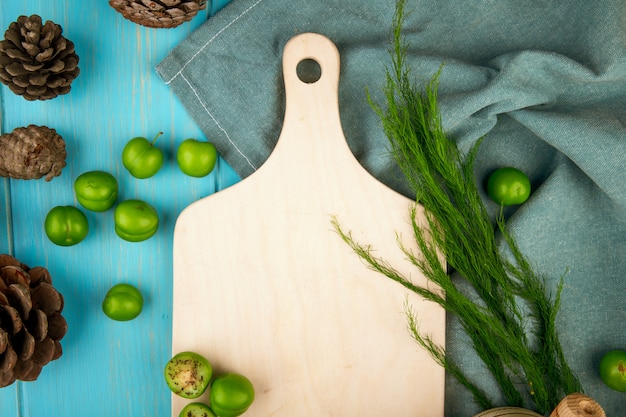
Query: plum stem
{"points": [[155, 138]]}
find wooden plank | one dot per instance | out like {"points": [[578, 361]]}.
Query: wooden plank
{"points": [[114, 368], [8, 395]]}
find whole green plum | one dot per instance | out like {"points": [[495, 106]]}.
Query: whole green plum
{"points": [[96, 190], [141, 158], [231, 395], [122, 302], [196, 158], [135, 220], [66, 225]]}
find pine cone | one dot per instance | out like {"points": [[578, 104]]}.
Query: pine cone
{"points": [[36, 61], [32, 152], [31, 324], [158, 13]]}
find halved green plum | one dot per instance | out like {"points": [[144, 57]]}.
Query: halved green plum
{"points": [[196, 410], [188, 374]]}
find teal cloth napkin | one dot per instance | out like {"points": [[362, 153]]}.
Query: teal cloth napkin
{"points": [[544, 80]]}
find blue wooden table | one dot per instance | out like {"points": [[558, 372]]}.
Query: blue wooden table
{"points": [[108, 368]]}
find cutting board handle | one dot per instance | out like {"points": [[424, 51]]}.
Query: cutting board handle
{"points": [[311, 106], [315, 47]]}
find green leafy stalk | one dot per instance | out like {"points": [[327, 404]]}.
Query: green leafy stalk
{"points": [[509, 300]]}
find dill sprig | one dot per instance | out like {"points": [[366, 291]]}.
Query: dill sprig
{"points": [[509, 315]]}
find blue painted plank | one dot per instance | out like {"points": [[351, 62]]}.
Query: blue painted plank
{"points": [[108, 368], [216, 5], [8, 395]]}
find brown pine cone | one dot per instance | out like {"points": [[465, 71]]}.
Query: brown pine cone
{"points": [[31, 324], [159, 13], [36, 61], [32, 152]]}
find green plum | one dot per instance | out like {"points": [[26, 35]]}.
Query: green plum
{"points": [[66, 225], [141, 158], [122, 302], [231, 394], [196, 158], [188, 374], [96, 190], [613, 369], [135, 220], [196, 409], [508, 186]]}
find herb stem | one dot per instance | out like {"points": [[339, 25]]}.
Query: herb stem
{"points": [[508, 300]]}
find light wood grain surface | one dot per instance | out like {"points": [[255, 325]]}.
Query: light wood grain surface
{"points": [[264, 286], [108, 368]]}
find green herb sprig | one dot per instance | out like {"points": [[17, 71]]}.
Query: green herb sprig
{"points": [[510, 317]]}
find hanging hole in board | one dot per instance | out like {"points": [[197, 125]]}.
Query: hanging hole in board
{"points": [[309, 71]]}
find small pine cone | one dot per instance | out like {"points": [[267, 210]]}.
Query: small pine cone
{"points": [[31, 324], [159, 13], [36, 61], [32, 152]]}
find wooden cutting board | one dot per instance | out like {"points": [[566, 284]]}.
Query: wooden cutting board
{"points": [[265, 286]]}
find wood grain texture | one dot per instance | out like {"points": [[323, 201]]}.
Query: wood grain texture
{"points": [[508, 412], [107, 368], [578, 405], [264, 286]]}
